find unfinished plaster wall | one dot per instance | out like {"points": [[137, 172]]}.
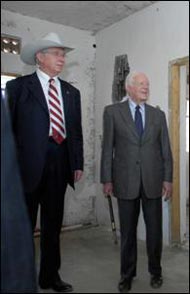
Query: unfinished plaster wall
{"points": [[80, 71]]}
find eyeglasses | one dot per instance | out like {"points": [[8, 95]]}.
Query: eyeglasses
{"points": [[141, 84], [56, 53]]}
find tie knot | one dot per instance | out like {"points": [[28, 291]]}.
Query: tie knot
{"points": [[51, 81], [137, 107]]}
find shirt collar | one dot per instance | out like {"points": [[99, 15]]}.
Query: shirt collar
{"points": [[43, 76], [133, 104]]}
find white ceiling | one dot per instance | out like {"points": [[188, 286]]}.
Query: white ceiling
{"points": [[86, 15]]}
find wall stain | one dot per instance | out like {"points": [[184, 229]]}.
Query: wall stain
{"points": [[11, 24], [90, 137]]}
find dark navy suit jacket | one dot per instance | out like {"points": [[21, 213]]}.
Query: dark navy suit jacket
{"points": [[30, 120], [18, 273]]}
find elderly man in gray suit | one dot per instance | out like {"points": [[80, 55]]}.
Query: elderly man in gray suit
{"points": [[136, 166]]}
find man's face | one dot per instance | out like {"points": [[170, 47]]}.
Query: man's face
{"points": [[52, 60], [139, 89]]}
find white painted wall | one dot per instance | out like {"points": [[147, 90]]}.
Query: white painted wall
{"points": [[80, 71], [151, 38]]}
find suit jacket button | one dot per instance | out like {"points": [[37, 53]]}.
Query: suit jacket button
{"points": [[137, 162]]}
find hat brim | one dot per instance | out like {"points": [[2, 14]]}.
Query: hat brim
{"points": [[28, 52]]}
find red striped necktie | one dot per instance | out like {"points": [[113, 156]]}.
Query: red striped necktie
{"points": [[56, 114]]}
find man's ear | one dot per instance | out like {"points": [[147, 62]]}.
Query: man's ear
{"points": [[128, 89], [39, 56]]}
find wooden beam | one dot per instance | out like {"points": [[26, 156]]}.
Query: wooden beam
{"points": [[174, 102]]}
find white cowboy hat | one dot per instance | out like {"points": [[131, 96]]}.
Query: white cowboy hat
{"points": [[28, 52]]}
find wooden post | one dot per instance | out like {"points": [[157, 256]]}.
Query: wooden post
{"points": [[175, 142]]}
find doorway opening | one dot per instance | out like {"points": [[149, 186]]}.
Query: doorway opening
{"points": [[5, 77]]}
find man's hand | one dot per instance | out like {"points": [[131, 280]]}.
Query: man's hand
{"points": [[108, 188], [167, 190], [78, 175]]}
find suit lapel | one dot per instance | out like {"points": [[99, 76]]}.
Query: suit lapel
{"points": [[37, 91], [127, 117], [65, 94], [148, 119]]}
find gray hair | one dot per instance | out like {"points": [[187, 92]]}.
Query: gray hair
{"points": [[130, 78], [41, 51]]}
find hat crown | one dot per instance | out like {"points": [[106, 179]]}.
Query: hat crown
{"points": [[52, 37], [28, 52]]}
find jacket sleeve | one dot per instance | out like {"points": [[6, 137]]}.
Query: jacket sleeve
{"points": [[11, 98], [107, 146], [166, 151], [18, 274], [78, 139], [11, 102]]}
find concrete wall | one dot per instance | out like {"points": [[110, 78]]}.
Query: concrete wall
{"points": [[151, 38], [80, 71]]}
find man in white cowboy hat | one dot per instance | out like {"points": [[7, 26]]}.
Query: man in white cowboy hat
{"points": [[46, 119]]}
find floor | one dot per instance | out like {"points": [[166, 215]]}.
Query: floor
{"points": [[90, 262]]}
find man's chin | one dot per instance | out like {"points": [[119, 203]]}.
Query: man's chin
{"points": [[144, 99]]}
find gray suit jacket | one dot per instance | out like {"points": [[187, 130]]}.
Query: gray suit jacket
{"points": [[127, 159]]}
